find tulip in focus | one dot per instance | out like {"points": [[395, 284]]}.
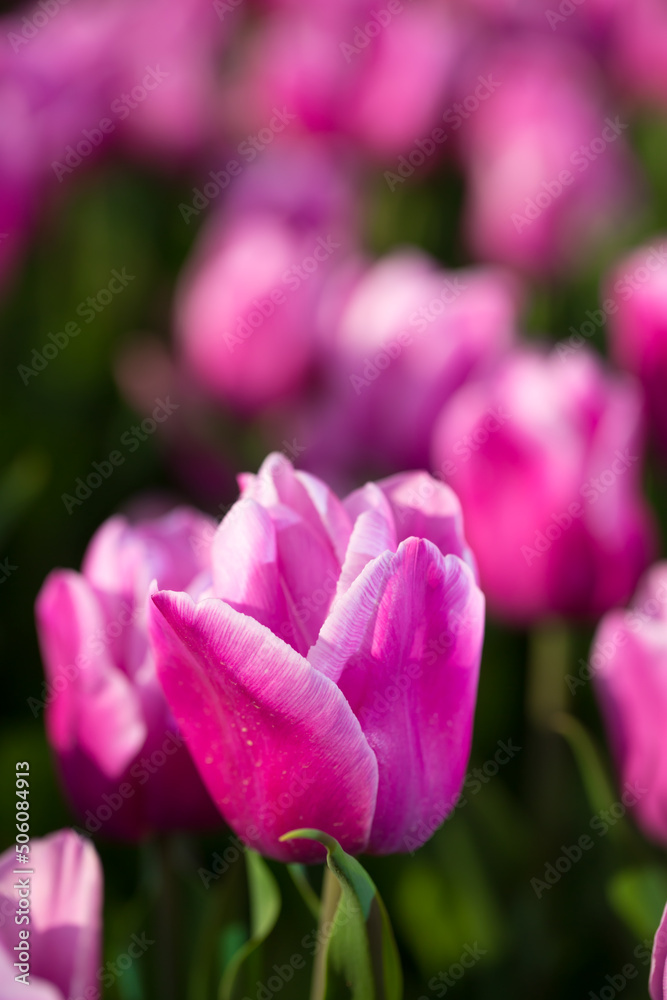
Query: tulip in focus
{"points": [[629, 660], [546, 456], [123, 761], [637, 325], [328, 677], [64, 932]]}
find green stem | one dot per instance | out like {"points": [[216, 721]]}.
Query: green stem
{"points": [[546, 700], [330, 897]]}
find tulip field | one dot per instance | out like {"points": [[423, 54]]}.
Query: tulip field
{"points": [[333, 502]]}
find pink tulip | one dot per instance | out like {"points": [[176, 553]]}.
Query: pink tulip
{"points": [[658, 977], [122, 758], [375, 76], [547, 163], [246, 309], [166, 58], [636, 293], [304, 182], [546, 457], [65, 928], [408, 334], [629, 664], [328, 677], [639, 41]]}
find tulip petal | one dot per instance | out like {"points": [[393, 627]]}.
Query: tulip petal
{"points": [[66, 910], [404, 644], [425, 507], [373, 533], [10, 989], [275, 741], [633, 697], [245, 564], [94, 706], [277, 483], [274, 567]]}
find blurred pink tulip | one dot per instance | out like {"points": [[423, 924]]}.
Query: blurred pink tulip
{"points": [[546, 457], [406, 334], [629, 665], [306, 183], [639, 46], [375, 75], [166, 101], [65, 928], [328, 678], [246, 309], [122, 758], [637, 324], [548, 168]]}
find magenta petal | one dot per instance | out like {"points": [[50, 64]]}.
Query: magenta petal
{"points": [[10, 989], [633, 696], [425, 507], [373, 533], [275, 741], [66, 911], [277, 483], [404, 644], [95, 705], [245, 564]]}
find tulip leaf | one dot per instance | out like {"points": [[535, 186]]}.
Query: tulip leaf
{"points": [[264, 909], [638, 897], [598, 787], [360, 958]]}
